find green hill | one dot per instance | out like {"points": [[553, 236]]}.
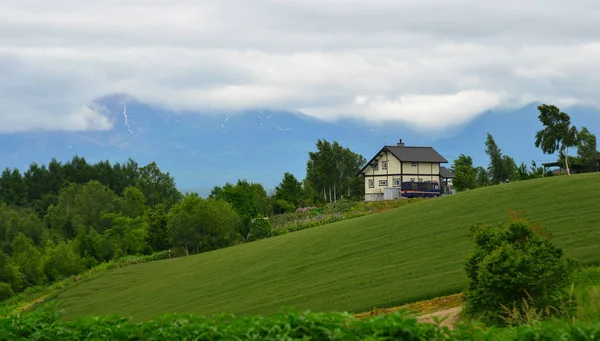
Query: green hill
{"points": [[407, 254]]}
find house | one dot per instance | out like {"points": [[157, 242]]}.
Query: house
{"points": [[392, 165], [598, 160]]}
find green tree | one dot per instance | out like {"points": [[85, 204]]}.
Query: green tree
{"points": [[464, 173], [558, 134], [482, 178], [331, 172], [62, 261], [134, 202], [157, 187], [126, 234], [502, 167], [510, 263], [587, 150], [9, 272], [289, 190], [247, 199], [196, 224], [29, 260], [155, 219]]}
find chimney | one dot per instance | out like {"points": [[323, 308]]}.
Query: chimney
{"points": [[400, 143]]}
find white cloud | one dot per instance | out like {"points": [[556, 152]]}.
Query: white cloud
{"points": [[427, 63]]}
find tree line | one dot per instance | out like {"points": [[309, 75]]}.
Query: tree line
{"points": [[557, 135], [60, 219]]}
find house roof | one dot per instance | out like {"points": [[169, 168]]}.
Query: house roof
{"points": [[409, 154], [446, 173], [416, 154]]}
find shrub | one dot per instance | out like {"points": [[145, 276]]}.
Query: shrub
{"points": [[259, 228], [515, 269], [5, 291]]}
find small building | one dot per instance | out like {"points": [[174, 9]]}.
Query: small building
{"points": [[392, 165]]}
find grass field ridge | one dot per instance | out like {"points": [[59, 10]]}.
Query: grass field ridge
{"points": [[412, 253]]}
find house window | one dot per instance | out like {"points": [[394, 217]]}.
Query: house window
{"points": [[384, 164], [414, 164], [371, 183], [397, 182], [382, 183], [376, 165]]}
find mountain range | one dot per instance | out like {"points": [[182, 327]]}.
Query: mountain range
{"points": [[204, 150]]}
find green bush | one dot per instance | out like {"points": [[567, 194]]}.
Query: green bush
{"points": [[5, 291], [514, 271], [259, 228], [46, 325]]}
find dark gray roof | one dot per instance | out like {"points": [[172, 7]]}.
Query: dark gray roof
{"points": [[416, 154], [446, 173]]}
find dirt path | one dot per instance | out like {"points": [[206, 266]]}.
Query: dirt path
{"points": [[450, 317]]}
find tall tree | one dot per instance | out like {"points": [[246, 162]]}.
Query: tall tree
{"points": [[331, 172], [155, 219], [157, 186], [558, 134], [501, 167], [587, 150], [482, 178], [464, 173], [289, 190]]}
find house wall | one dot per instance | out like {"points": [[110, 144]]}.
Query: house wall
{"points": [[426, 171]]}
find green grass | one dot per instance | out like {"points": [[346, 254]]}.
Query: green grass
{"points": [[411, 253]]}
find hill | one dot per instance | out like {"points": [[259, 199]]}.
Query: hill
{"points": [[387, 259]]}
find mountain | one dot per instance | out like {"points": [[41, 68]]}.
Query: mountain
{"points": [[202, 151]]}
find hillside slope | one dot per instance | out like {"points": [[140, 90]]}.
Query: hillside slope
{"points": [[387, 259]]}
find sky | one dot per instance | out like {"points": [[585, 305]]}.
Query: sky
{"points": [[428, 64]]}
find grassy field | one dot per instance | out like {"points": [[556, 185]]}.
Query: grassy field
{"points": [[411, 253]]}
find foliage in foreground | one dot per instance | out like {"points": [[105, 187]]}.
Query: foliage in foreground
{"points": [[288, 326], [515, 268]]}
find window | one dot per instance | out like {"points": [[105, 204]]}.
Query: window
{"points": [[397, 183], [371, 183], [414, 164], [376, 165], [383, 164], [382, 183]]}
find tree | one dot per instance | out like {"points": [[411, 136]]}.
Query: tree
{"points": [[290, 191], [247, 199], [29, 260], [331, 172], [558, 134], [155, 219], [587, 150], [482, 178], [464, 173], [157, 187], [510, 263], [134, 202], [126, 234], [62, 261], [501, 168], [196, 224]]}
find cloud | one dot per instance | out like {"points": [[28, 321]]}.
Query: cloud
{"points": [[427, 63]]}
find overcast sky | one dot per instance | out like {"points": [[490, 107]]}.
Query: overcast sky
{"points": [[425, 62]]}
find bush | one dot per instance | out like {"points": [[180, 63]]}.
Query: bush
{"points": [[515, 270], [5, 291], [259, 228]]}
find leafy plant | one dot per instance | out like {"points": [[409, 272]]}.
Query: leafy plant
{"points": [[512, 264]]}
